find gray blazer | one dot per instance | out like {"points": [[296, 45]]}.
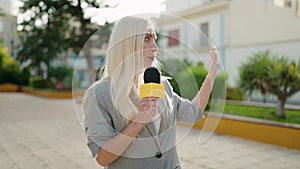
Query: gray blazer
{"points": [[149, 150]]}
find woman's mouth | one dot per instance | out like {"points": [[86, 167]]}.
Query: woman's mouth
{"points": [[151, 58]]}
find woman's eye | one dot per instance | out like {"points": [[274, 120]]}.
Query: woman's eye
{"points": [[147, 38]]}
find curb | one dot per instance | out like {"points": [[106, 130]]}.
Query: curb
{"points": [[280, 134]]}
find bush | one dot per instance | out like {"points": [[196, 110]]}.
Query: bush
{"points": [[25, 75], [271, 74], [38, 82], [190, 80], [10, 71], [10, 74], [60, 72], [186, 79], [234, 93], [62, 77]]}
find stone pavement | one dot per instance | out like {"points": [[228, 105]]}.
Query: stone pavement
{"points": [[39, 133]]}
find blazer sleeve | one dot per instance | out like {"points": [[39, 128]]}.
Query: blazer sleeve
{"points": [[98, 123], [184, 109]]}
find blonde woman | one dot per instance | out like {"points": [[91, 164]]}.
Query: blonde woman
{"points": [[124, 131]]}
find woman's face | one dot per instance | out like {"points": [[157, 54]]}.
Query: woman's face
{"points": [[150, 47]]}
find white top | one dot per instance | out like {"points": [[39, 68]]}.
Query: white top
{"points": [[156, 121]]}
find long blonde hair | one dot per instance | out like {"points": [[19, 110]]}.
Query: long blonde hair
{"points": [[125, 61]]}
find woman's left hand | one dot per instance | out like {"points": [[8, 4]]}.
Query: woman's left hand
{"points": [[213, 63]]}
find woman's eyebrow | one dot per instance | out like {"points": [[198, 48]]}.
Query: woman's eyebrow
{"points": [[151, 35]]}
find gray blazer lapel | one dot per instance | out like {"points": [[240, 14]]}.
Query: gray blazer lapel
{"points": [[150, 126], [166, 120], [151, 129]]}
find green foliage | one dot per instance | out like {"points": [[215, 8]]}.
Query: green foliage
{"points": [[49, 30], [284, 77], [254, 73], [191, 79], [60, 72], [43, 34], [5, 59], [38, 82], [173, 68], [25, 76], [1, 12], [62, 77], [10, 74], [274, 75], [10, 71], [269, 74], [187, 83], [219, 89], [234, 93], [186, 79], [199, 73], [268, 113]]}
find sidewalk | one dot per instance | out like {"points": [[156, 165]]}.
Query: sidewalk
{"points": [[38, 133]]}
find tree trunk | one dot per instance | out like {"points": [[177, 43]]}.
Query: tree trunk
{"points": [[49, 85], [280, 107], [87, 46], [89, 61], [48, 70], [264, 99]]}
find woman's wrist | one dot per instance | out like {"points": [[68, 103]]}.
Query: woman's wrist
{"points": [[211, 76], [140, 120], [138, 123]]}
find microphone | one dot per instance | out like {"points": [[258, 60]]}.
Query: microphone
{"points": [[152, 86]]}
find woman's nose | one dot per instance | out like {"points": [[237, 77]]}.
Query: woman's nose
{"points": [[154, 47]]}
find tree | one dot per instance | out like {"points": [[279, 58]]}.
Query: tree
{"points": [[273, 75], [50, 30], [43, 33], [254, 74], [284, 81], [10, 71], [87, 28]]}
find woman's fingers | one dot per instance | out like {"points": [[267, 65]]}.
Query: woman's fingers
{"points": [[214, 54], [213, 62], [148, 109], [149, 104]]}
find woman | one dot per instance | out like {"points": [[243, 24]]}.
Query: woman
{"points": [[124, 131]]}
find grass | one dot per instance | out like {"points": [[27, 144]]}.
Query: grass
{"points": [[267, 113]]}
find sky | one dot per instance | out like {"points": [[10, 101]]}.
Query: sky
{"points": [[124, 8], [128, 7]]}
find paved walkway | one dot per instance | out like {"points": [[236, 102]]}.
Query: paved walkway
{"points": [[38, 133]]}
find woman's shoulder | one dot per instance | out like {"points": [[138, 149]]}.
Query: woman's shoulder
{"points": [[167, 85], [102, 83], [165, 81], [99, 88]]}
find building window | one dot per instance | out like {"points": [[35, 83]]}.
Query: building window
{"points": [[204, 27], [288, 3], [283, 3], [173, 38]]}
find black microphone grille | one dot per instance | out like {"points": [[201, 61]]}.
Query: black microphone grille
{"points": [[151, 75]]}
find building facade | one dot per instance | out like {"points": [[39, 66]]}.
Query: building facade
{"points": [[8, 26], [239, 28]]}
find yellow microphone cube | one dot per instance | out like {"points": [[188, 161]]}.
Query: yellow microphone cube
{"points": [[152, 90]]}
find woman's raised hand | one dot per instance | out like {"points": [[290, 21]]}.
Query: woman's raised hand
{"points": [[213, 63]]}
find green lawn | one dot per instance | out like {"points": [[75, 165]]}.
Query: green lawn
{"points": [[292, 116]]}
